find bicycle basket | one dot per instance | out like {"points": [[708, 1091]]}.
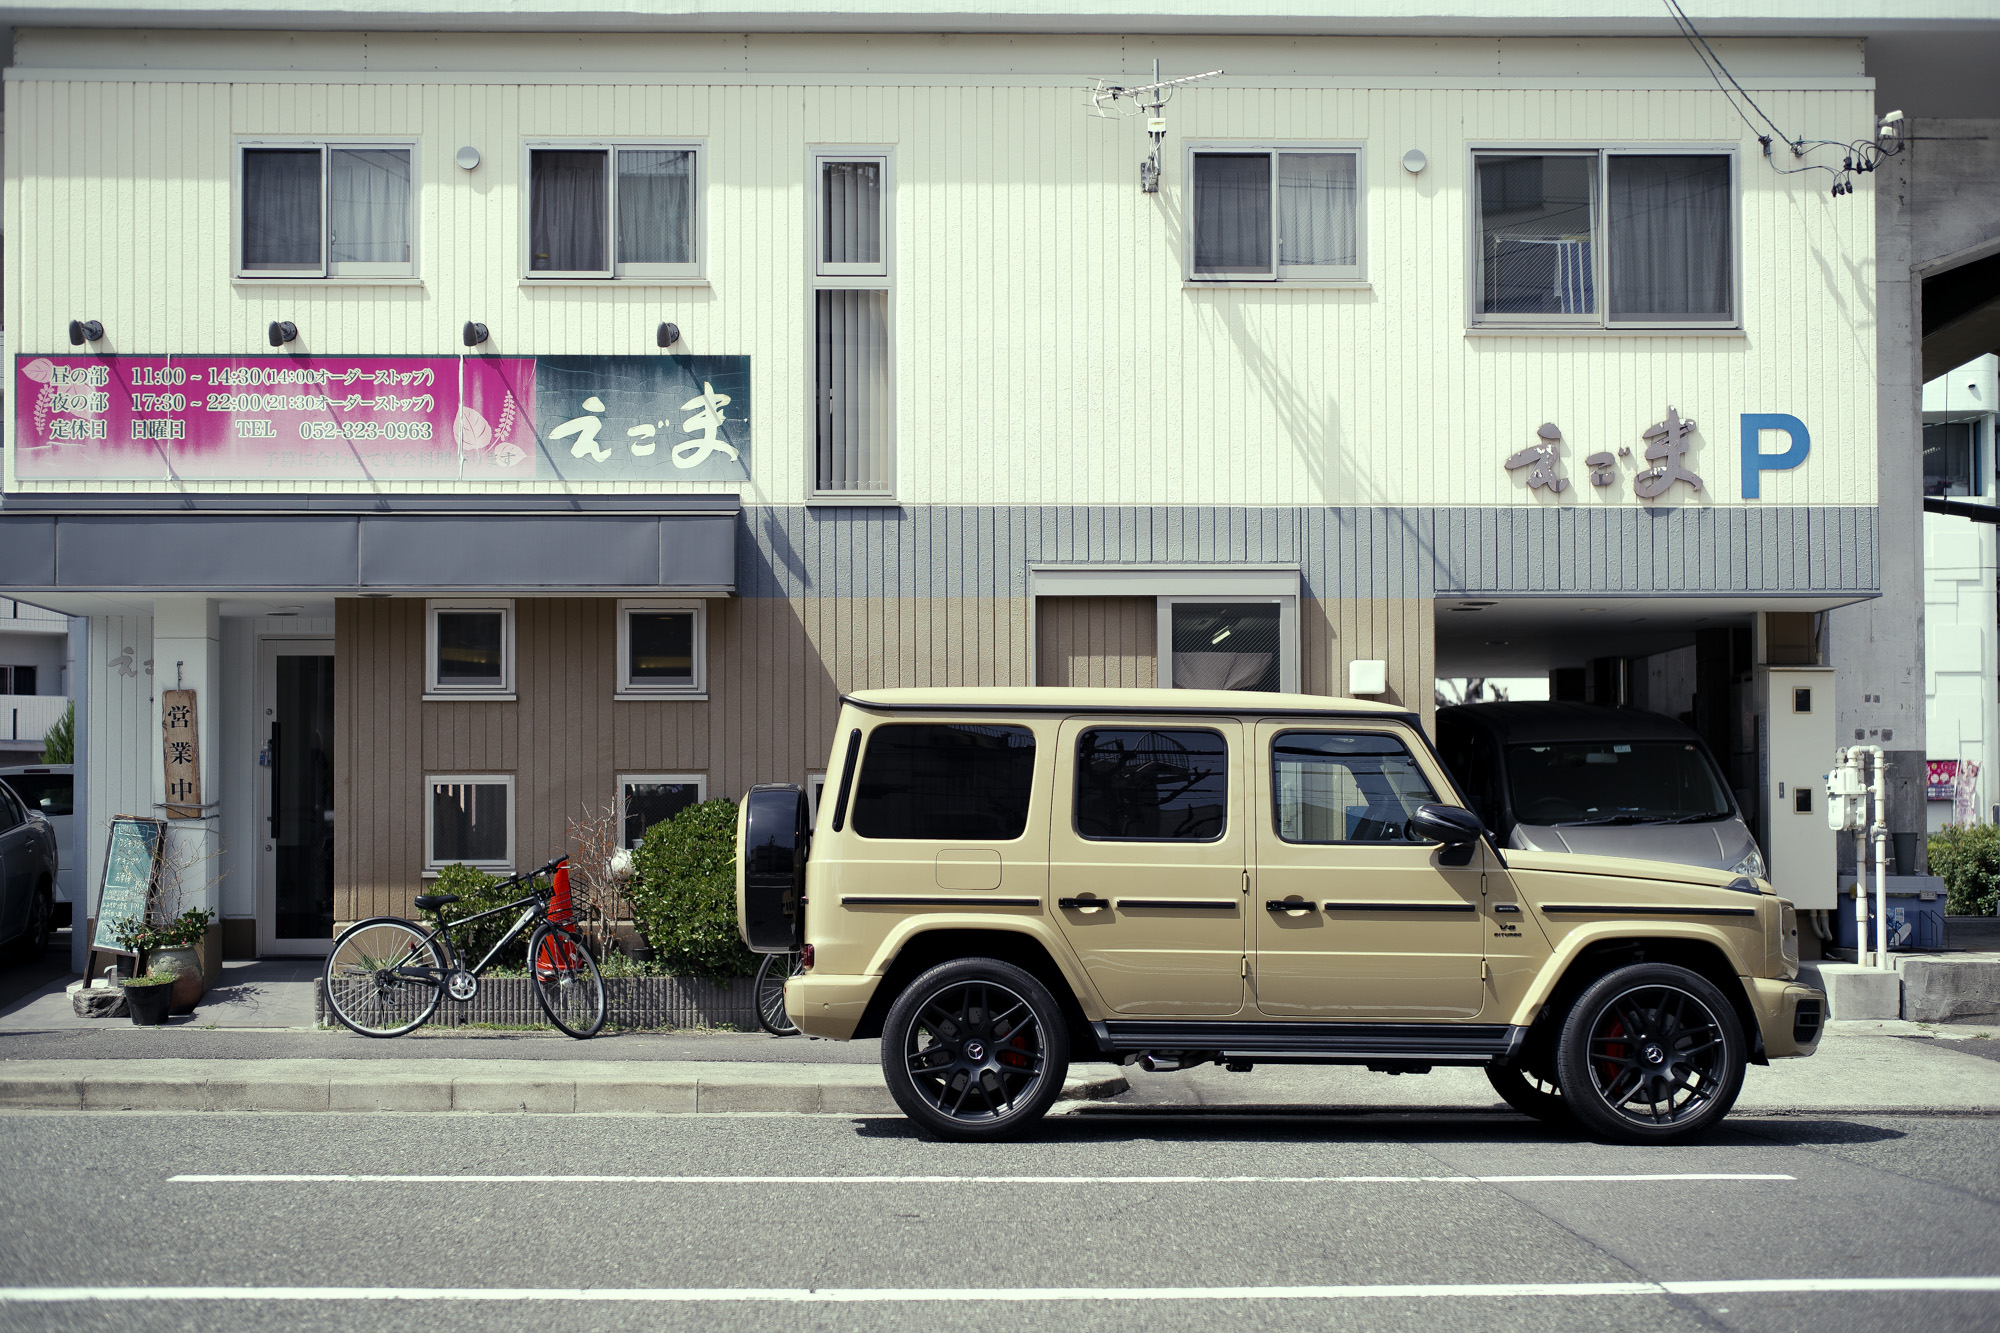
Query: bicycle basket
{"points": [[562, 912]]}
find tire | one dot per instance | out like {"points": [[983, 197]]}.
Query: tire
{"points": [[41, 924], [1649, 1054], [1532, 1094], [372, 982], [975, 1050], [772, 973], [566, 982]]}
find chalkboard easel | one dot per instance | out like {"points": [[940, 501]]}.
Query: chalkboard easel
{"points": [[131, 879]]}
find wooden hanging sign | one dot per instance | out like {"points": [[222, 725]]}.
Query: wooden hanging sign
{"points": [[182, 749]]}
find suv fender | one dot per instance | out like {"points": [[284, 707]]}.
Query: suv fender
{"points": [[1589, 950], [923, 942]]}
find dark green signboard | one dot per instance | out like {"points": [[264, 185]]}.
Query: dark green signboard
{"points": [[131, 872]]}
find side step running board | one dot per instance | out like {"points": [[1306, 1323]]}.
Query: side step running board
{"points": [[1334, 1043]]}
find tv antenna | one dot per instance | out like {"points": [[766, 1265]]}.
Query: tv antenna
{"points": [[1117, 101]]}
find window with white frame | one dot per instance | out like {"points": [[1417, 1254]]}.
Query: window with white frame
{"points": [[613, 210], [320, 209], [662, 649], [1605, 236], [1274, 214], [469, 649], [1229, 643], [854, 448], [648, 799], [469, 820]]}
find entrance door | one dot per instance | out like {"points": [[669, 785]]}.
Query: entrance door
{"points": [[1146, 862], [1383, 926], [294, 785]]}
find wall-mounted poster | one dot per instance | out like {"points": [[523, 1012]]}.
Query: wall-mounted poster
{"points": [[382, 418]]}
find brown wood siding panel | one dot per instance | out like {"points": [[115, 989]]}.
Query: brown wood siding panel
{"points": [[1094, 641]]}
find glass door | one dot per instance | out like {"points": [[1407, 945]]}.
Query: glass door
{"points": [[294, 786]]}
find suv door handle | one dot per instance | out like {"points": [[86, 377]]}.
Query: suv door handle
{"points": [[1083, 902], [1273, 905]]}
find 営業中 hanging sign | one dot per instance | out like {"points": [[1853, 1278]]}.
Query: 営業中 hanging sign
{"points": [[181, 750]]}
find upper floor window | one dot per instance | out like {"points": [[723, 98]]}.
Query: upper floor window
{"points": [[319, 209], [598, 210], [470, 649], [853, 444], [1617, 236], [1274, 214]]}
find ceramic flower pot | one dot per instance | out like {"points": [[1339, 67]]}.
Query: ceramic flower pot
{"points": [[148, 1004], [184, 965]]}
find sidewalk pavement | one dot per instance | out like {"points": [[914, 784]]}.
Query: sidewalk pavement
{"points": [[1889, 1067]]}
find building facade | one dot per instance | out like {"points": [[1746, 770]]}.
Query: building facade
{"points": [[489, 426]]}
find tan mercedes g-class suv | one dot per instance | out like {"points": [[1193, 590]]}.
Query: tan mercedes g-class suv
{"points": [[1001, 880]]}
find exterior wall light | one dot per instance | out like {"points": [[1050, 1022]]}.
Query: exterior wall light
{"points": [[1414, 161], [668, 335], [467, 158], [473, 334], [281, 332], [83, 331]]}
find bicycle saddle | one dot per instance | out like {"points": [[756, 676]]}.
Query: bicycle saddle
{"points": [[432, 901]]}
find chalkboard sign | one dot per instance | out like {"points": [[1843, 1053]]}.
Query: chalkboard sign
{"points": [[131, 874]]}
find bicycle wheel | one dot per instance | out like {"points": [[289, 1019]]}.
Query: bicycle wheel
{"points": [[772, 974], [566, 982], [382, 978]]}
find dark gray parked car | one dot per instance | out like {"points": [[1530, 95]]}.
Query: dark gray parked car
{"points": [[27, 876], [1569, 777]]}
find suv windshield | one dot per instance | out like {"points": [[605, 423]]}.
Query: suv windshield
{"points": [[1614, 782], [49, 793]]}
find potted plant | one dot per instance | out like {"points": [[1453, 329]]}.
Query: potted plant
{"points": [[148, 997], [168, 948]]}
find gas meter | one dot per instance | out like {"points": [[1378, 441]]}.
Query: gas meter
{"points": [[1845, 808]]}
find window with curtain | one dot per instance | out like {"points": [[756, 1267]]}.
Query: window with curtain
{"points": [[852, 441], [613, 210], [470, 821], [1606, 237], [1271, 214], [327, 210]]}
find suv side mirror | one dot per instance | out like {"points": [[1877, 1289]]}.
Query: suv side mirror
{"points": [[1448, 824]]}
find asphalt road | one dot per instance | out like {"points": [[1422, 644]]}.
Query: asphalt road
{"points": [[92, 1201]]}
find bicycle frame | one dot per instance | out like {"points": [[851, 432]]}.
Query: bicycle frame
{"points": [[536, 905]]}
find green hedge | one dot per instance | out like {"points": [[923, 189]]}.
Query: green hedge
{"points": [[683, 893], [1967, 858], [476, 892]]}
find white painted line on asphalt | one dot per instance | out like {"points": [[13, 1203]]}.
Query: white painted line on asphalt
{"points": [[916, 1295], [391, 1179]]}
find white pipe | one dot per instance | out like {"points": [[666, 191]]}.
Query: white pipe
{"points": [[1881, 831]]}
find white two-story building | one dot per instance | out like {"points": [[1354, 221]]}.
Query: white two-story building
{"points": [[490, 424]]}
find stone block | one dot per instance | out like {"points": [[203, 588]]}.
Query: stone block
{"points": [[510, 1094], [34, 1093], [755, 1093], [144, 1094], [1948, 989], [276, 1093], [363, 1091], [1854, 991], [102, 1002], [655, 1097]]}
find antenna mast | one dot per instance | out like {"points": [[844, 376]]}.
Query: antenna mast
{"points": [[1150, 98]]}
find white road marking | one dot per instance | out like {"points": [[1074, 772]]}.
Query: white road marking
{"points": [[911, 1295], [371, 1179]]}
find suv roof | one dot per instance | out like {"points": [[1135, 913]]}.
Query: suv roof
{"points": [[1047, 698], [1528, 723]]}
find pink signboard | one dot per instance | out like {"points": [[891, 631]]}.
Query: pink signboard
{"points": [[278, 418]]}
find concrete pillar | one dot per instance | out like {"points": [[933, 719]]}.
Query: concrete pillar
{"points": [[187, 654]]}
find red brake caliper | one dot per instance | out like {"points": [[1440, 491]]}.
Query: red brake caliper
{"points": [[1607, 1071]]}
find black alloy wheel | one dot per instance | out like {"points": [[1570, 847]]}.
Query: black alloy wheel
{"points": [[975, 1049], [1651, 1053]]}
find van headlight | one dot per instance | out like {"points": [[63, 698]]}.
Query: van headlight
{"points": [[1752, 865]]}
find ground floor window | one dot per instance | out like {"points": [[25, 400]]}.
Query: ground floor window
{"points": [[470, 649], [469, 820], [646, 800], [1216, 643], [662, 649]]}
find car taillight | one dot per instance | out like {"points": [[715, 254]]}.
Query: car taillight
{"points": [[806, 959]]}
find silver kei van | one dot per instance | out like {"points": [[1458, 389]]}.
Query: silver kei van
{"points": [[1589, 778]]}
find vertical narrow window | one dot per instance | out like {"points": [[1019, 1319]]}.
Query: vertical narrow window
{"points": [[568, 211], [282, 212], [1537, 227], [1232, 215], [853, 444]]}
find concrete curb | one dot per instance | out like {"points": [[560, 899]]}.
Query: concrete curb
{"points": [[539, 1087]]}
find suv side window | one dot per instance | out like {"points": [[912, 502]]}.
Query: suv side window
{"points": [[10, 809], [1151, 784], [945, 782], [1327, 787]]}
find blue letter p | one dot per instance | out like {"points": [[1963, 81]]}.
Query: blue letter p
{"points": [[1755, 461]]}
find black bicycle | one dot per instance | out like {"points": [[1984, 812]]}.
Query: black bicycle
{"points": [[386, 975], [772, 974]]}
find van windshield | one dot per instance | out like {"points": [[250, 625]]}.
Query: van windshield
{"points": [[1614, 782]]}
